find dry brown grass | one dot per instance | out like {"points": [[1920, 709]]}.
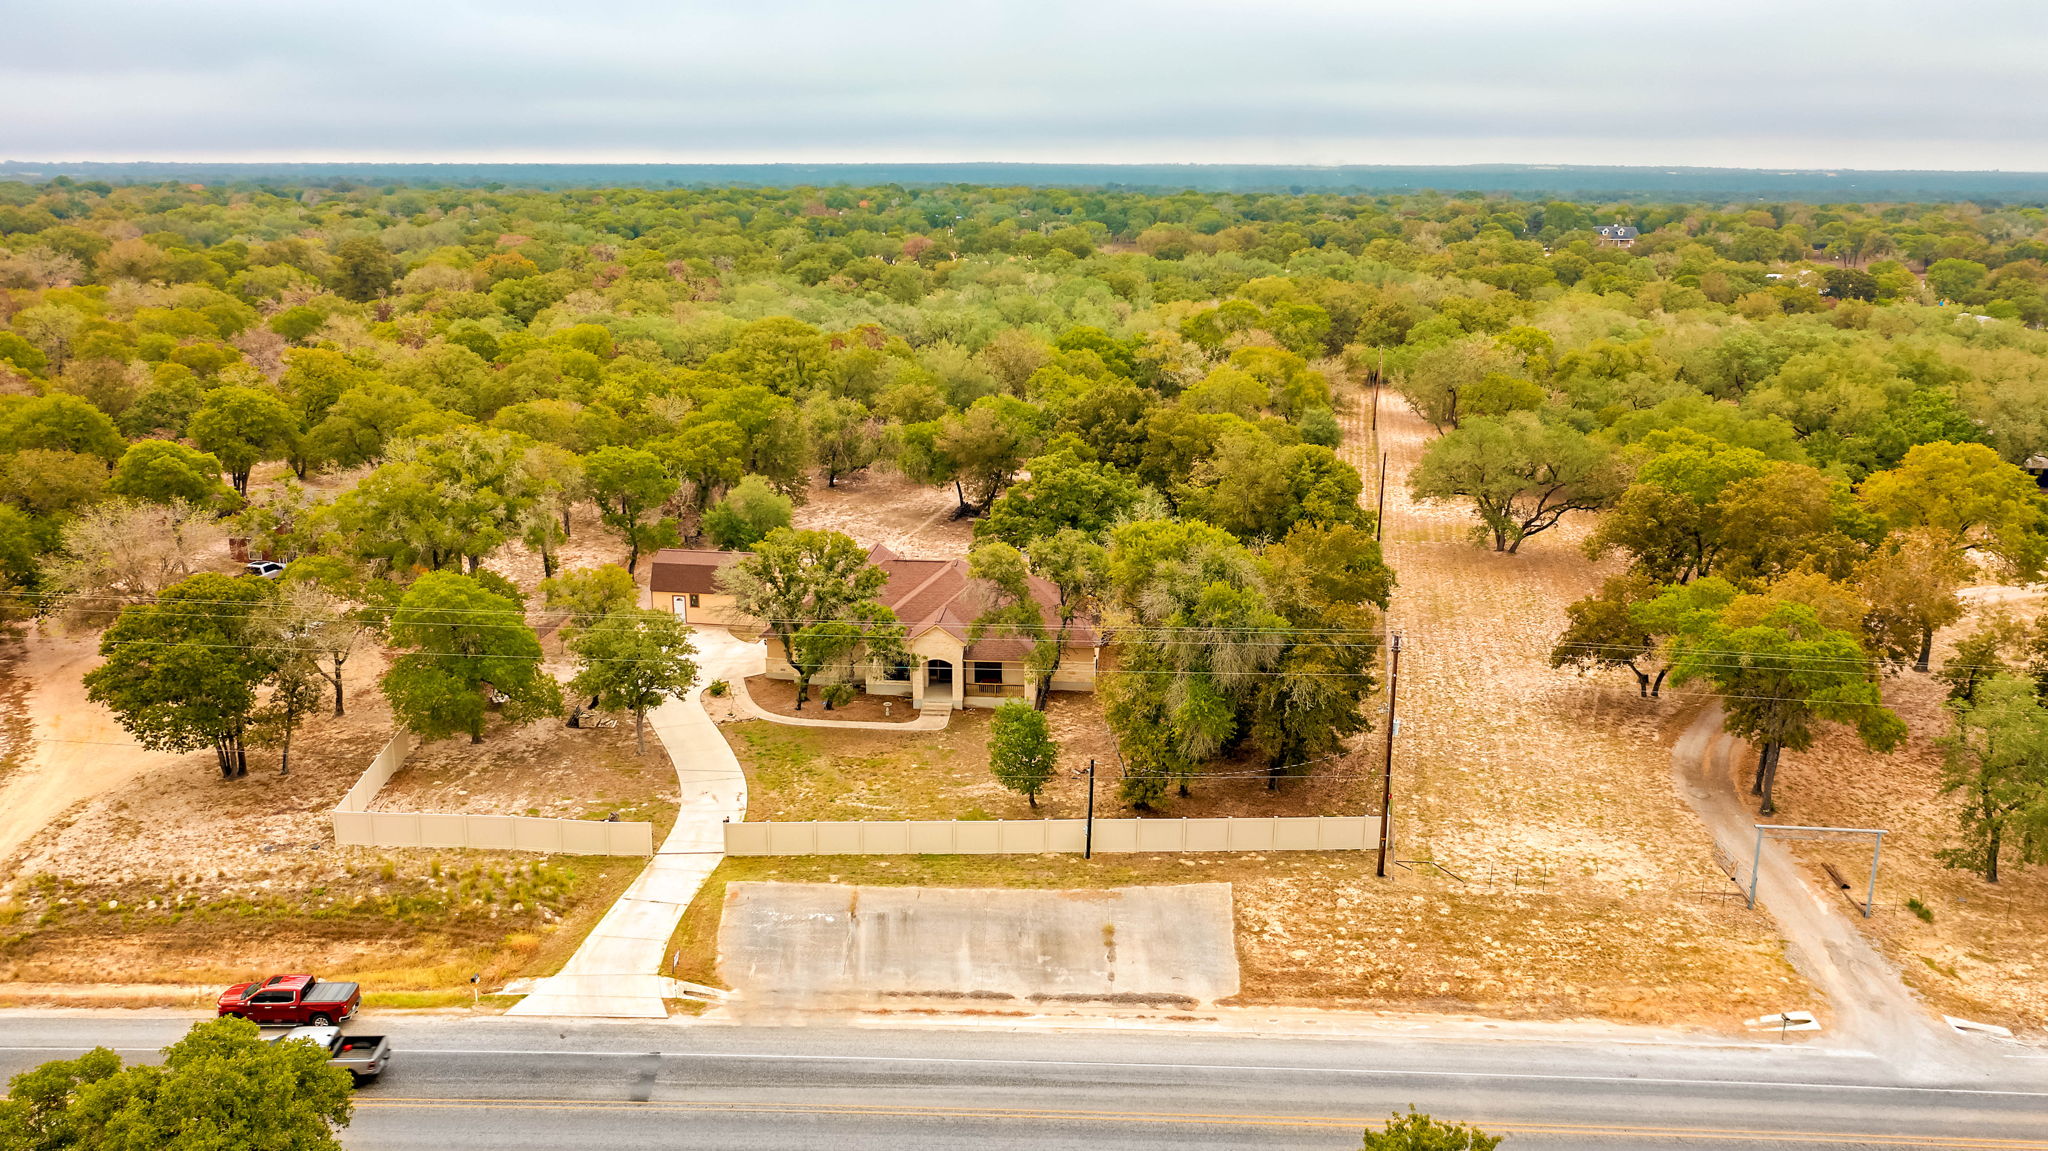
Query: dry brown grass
{"points": [[1985, 956], [183, 877], [880, 507], [542, 768]]}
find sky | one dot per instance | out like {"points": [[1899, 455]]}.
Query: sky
{"points": [[1734, 83]]}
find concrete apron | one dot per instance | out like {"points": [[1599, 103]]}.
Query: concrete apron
{"points": [[615, 973]]}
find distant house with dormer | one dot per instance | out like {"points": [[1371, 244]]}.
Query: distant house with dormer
{"points": [[936, 601], [1617, 235]]}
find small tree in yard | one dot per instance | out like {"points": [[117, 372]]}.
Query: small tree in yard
{"points": [[589, 594], [626, 484], [297, 689], [1998, 764], [1021, 751], [221, 1086], [1418, 1132], [1778, 669], [182, 673], [631, 660], [466, 642], [796, 579]]}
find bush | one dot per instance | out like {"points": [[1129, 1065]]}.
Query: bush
{"points": [[1418, 1132], [1920, 909], [717, 687]]}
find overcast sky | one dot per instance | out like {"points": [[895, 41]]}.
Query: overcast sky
{"points": [[1763, 83]]}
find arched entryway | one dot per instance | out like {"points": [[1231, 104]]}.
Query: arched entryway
{"points": [[938, 673]]}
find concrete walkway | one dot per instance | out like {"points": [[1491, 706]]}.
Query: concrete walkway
{"points": [[932, 719], [615, 974]]}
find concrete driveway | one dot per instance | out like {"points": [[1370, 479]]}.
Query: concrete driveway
{"points": [[616, 972]]}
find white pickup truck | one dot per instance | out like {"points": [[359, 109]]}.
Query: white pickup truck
{"points": [[364, 1057]]}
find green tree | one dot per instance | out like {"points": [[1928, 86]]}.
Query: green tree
{"points": [[1911, 585], [1521, 472], [631, 660], [1669, 521], [1064, 572], [1997, 761], [52, 483], [842, 436], [1418, 1132], [747, 514], [986, 445], [586, 595], [164, 470], [1969, 498], [1021, 752], [1779, 672], [1602, 631], [242, 427], [1329, 582], [1437, 378], [626, 484], [1062, 492], [1997, 646], [59, 422], [795, 579], [221, 1086], [468, 646], [362, 269], [182, 673]]}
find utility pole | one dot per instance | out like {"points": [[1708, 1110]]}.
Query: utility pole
{"points": [[1088, 830], [1379, 515], [1387, 775], [1377, 376]]}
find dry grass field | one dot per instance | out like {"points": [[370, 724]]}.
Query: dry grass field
{"points": [[179, 877]]}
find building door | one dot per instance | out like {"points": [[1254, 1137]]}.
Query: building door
{"points": [[682, 606]]}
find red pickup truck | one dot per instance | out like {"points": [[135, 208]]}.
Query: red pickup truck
{"points": [[293, 1000]]}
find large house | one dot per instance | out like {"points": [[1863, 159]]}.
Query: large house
{"points": [[1617, 235], [937, 603]]}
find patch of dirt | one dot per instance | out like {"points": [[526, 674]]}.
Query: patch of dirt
{"points": [[544, 768], [65, 748], [881, 507], [779, 697], [1985, 955], [170, 874]]}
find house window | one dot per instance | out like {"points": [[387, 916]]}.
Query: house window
{"points": [[693, 599], [900, 670], [988, 671]]}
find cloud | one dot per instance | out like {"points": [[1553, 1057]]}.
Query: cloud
{"points": [[1888, 83]]}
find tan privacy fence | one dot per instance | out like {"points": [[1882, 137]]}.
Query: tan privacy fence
{"points": [[355, 825], [1030, 836]]}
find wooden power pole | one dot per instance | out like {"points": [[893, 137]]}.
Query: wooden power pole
{"points": [[1387, 774]]}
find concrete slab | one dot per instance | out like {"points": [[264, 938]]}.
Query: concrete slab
{"points": [[786, 942]]}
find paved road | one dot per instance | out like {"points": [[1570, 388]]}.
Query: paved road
{"points": [[518, 1084]]}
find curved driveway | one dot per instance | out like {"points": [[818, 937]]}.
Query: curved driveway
{"points": [[614, 974]]}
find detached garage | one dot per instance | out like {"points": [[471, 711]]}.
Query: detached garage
{"points": [[685, 582]]}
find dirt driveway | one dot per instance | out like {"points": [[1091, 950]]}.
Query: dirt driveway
{"points": [[77, 750]]}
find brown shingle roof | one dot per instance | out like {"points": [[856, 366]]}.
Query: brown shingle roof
{"points": [[924, 593], [928, 594], [682, 570]]}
